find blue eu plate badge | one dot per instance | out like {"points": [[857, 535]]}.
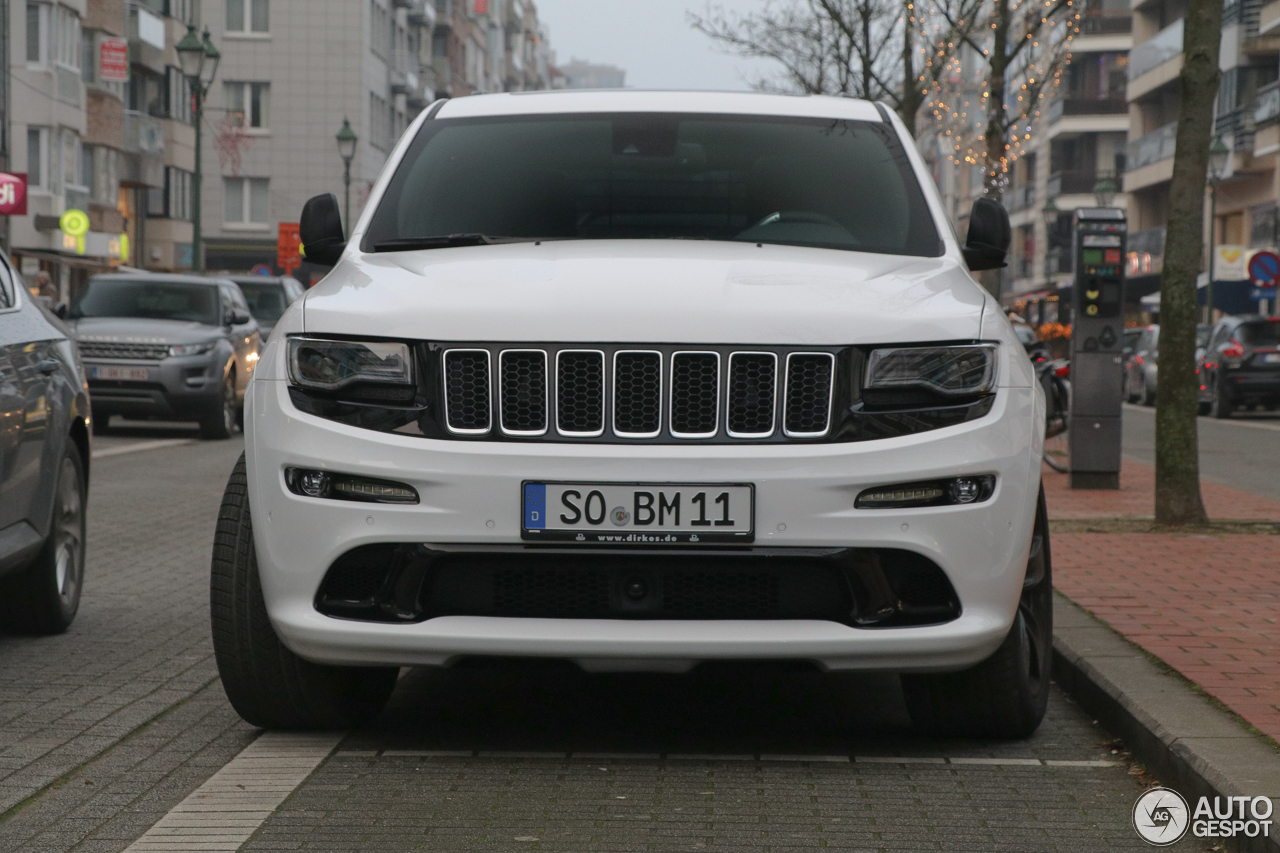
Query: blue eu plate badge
{"points": [[535, 506]]}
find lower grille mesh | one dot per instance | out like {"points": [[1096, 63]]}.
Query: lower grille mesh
{"points": [[551, 593]]}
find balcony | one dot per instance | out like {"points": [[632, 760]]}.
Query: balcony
{"points": [[1023, 196], [1156, 51], [403, 70], [1105, 25], [1079, 106], [1071, 182], [1268, 103], [142, 134], [1155, 146]]}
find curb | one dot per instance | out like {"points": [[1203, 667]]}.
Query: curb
{"points": [[1190, 745]]}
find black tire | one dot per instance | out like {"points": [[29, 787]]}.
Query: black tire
{"points": [[1221, 405], [221, 421], [1202, 409], [44, 598], [268, 685], [101, 424], [1148, 397], [1006, 695]]}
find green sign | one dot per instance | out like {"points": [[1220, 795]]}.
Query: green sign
{"points": [[74, 223]]}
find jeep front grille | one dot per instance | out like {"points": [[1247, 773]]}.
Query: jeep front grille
{"points": [[630, 394]]}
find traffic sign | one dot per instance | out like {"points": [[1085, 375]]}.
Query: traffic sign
{"points": [[1264, 268]]}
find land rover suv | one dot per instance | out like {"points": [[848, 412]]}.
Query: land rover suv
{"points": [[642, 380]]}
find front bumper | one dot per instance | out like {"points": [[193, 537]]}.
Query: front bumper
{"points": [[178, 388], [470, 494]]}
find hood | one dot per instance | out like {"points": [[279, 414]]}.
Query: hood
{"points": [[647, 291], [139, 330]]}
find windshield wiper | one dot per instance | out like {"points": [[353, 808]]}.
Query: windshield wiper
{"points": [[443, 241]]}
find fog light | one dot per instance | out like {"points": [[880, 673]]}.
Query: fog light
{"points": [[965, 490], [314, 484]]}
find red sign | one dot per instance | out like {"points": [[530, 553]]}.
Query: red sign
{"points": [[482, 7], [288, 248], [13, 194], [1264, 268], [113, 60]]}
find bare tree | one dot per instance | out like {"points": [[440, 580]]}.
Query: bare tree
{"points": [[1178, 499]]}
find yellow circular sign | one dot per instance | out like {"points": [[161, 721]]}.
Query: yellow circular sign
{"points": [[124, 247], [74, 223]]}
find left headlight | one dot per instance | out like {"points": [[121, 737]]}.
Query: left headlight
{"points": [[325, 365], [193, 349], [953, 371]]}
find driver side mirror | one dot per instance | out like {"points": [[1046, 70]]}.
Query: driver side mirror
{"points": [[237, 317], [321, 230], [989, 236]]}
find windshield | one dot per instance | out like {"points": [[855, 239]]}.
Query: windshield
{"points": [[1202, 336], [828, 183], [1265, 334], [154, 300], [267, 301]]}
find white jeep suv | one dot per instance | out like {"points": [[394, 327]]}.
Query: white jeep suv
{"points": [[641, 380]]}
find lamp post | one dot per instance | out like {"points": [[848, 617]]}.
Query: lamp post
{"points": [[1104, 191], [1219, 154], [1048, 215], [199, 60], [347, 140]]}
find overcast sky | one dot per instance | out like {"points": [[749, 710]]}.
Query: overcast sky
{"points": [[650, 39]]}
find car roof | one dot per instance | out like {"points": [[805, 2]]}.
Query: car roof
{"points": [[655, 101], [163, 278]]}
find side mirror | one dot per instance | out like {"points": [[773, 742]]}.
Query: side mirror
{"points": [[321, 230], [237, 317], [989, 236], [60, 310]]}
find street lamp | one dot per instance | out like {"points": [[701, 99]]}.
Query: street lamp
{"points": [[1048, 213], [1219, 155], [347, 140], [199, 60], [1104, 191]]}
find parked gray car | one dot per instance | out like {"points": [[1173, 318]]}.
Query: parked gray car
{"points": [[268, 297], [44, 465], [167, 347]]}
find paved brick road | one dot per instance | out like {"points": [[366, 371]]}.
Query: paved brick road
{"points": [[105, 729]]}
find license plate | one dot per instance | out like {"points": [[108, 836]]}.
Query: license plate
{"points": [[1271, 358], [638, 513], [127, 374]]}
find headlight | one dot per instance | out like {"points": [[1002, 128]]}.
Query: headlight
{"points": [[333, 365], [193, 349], [958, 371]]}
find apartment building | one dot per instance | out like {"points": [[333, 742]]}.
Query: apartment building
{"points": [[1247, 121], [489, 46]]}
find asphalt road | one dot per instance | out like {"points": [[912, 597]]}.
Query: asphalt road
{"points": [[1242, 452], [108, 730]]}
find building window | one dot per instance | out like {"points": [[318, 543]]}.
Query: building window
{"points": [[179, 95], [248, 16], [72, 161], [67, 38], [380, 42], [379, 122], [38, 158], [248, 104], [173, 200], [37, 33], [247, 201]]}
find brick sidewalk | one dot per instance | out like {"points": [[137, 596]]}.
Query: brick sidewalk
{"points": [[1208, 605]]}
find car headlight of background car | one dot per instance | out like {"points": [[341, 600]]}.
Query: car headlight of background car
{"points": [[953, 371], [325, 365], [192, 349]]}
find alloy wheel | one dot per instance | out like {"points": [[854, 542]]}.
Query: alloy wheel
{"points": [[68, 535]]}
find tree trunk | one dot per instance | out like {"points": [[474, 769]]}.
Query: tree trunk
{"points": [[997, 66], [911, 96], [1177, 448]]}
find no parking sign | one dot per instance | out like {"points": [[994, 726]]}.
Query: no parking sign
{"points": [[1264, 268]]}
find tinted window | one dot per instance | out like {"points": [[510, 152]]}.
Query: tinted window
{"points": [[1263, 334], [835, 184], [196, 303], [8, 296], [1202, 336], [267, 301]]}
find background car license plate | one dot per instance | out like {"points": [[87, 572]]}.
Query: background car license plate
{"points": [[638, 513], [128, 374], [1271, 358]]}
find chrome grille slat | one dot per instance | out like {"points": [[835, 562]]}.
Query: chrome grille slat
{"points": [[580, 393], [695, 394], [135, 352], [522, 392], [467, 391], [807, 407], [637, 394], [752, 394]]}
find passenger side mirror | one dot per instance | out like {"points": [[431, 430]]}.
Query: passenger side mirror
{"points": [[60, 310], [989, 236], [238, 317], [321, 230]]}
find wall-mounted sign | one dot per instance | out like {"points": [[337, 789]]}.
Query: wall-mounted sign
{"points": [[288, 247], [13, 194], [1229, 263], [113, 60], [482, 7]]}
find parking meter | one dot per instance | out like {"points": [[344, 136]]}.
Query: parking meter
{"points": [[1096, 335]]}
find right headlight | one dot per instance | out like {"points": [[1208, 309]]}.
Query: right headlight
{"points": [[953, 371], [327, 365]]}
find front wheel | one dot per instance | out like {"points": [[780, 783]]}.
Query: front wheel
{"points": [[268, 685], [1006, 695], [1221, 404], [44, 598], [220, 422]]}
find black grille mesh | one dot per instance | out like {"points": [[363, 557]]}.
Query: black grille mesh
{"points": [[524, 391], [752, 379], [720, 595], [695, 378], [580, 392], [637, 405], [143, 352], [551, 593], [467, 389], [808, 393]]}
